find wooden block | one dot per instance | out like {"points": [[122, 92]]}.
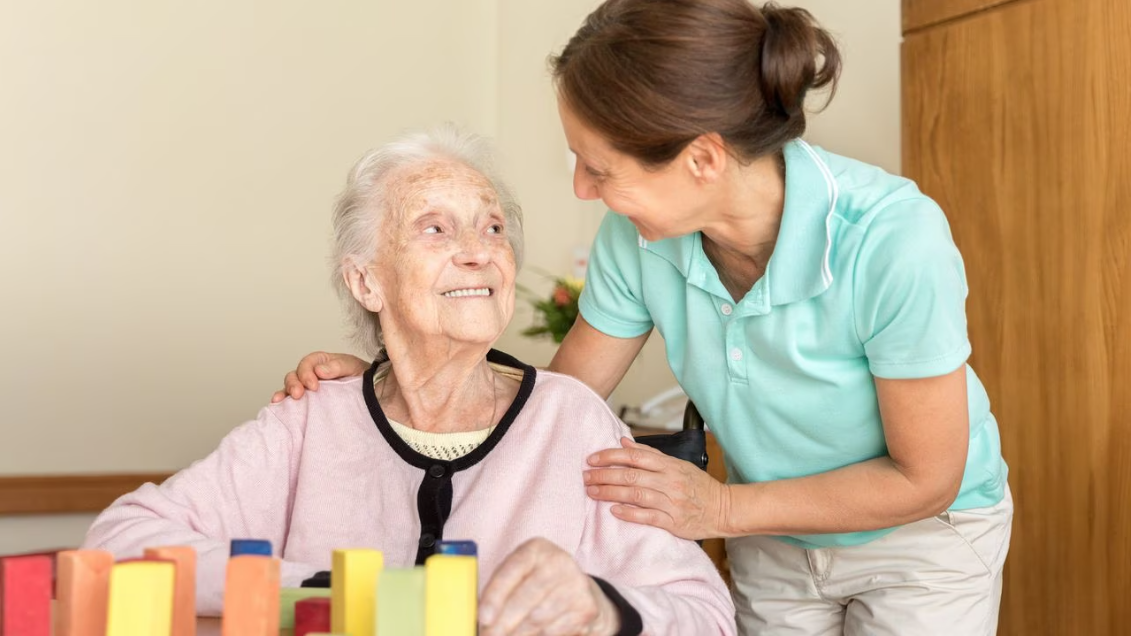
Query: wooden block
{"points": [[141, 598], [25, 596], [400, 597], [451, 595], [353, 584], [288, 596], [50, 554], [184, 587], [251, 597], [312, 615], [82, 591], [241, 547]]}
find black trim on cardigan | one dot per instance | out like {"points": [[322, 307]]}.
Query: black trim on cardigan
{"points": [[630, 622], [320, 579], [434, 498]]}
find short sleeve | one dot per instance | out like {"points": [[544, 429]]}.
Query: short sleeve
{"points": [[612, 300], [910, 293]]}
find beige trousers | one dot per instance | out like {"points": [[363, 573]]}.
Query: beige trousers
{"points": [[937, 576]]}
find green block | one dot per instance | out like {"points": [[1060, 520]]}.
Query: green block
{"points": [[400, 602], [288, 596]]}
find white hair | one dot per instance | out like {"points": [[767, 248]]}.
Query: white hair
{"points": [[364, 201]]}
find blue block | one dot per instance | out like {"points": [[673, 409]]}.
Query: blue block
{"points": [[463, 548], [251, 546]]}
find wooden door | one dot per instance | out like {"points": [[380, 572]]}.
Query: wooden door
{"points": [[919, 14], [1015, 119]]}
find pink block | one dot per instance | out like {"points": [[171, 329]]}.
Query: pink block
{"points": [[25, 596]]}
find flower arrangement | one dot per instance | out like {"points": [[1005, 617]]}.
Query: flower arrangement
{"points": [[554, 315]]}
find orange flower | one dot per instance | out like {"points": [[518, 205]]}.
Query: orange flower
{"points": [[561, 296]]}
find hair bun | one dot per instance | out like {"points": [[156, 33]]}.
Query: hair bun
{"points": [[797, 55]]}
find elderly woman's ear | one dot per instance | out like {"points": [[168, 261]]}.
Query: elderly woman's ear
{"points": [[364, 286]]}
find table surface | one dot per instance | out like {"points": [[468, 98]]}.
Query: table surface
{"points": [[211, 627]]}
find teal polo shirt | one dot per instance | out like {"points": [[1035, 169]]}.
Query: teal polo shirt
{"points": [[865, 281]]}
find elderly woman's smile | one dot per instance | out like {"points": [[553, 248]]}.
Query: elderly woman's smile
{"points": [[477, 292]]}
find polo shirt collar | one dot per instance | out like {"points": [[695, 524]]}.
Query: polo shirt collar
{"points": [[799, 267]]}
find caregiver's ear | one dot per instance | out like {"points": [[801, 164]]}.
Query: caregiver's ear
{"points": [[364, 286]]}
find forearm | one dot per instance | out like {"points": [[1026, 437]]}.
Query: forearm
{"points": [[669, 581], [865, 496], [598, 360], [129, 527], [690, 608]]}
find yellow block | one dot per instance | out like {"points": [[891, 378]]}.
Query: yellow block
{"points": [[451, 595], [141, 599], [353, 591]]}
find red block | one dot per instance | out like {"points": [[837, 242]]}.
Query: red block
{"points": [[312, 615], [25, 596]]}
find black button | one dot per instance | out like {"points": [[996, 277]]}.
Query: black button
{"points": [[436, 471], [427, 540]]}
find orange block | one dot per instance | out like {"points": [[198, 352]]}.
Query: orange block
{"points": [[82, 591], [251, 597], [184, 588]]}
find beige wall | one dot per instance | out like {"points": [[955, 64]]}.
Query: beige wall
{"points": [[863, 119], [165, 177]]}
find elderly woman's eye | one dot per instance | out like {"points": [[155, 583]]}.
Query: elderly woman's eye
{"points": [[497, 228], [433, 229]]}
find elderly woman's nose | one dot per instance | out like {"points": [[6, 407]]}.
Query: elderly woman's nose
{"points": [[473, 248]]}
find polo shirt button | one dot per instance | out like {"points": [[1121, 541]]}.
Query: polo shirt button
{"points": [[427, 540], [735, 355], [726, 309], [436, 471]]}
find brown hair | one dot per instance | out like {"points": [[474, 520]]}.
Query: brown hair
{"points": [[652, 75]]}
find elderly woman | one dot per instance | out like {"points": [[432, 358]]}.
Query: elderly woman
{"points": [[443, 437]]}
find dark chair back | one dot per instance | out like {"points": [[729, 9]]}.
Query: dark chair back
{"points": [[690, 444]]}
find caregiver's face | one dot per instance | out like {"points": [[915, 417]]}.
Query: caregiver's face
{"points": [[446, 267], [660, 202]]}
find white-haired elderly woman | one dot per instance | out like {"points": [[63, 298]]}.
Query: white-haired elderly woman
{"points": [[443, 437]]}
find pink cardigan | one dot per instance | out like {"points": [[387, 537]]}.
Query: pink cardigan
{"points": [[322, 473]]}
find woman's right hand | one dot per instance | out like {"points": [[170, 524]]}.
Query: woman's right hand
{"points": [[316, 366]]}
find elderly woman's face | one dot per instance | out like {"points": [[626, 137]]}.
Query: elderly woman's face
{"points": [[445, 266]]}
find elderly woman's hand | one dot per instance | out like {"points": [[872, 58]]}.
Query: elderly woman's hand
{"points": [[540, 590], [658, 490], [315, 366]]}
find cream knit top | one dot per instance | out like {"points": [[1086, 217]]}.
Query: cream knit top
{"points": [[444, 446]]}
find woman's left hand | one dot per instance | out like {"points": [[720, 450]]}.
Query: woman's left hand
{"points": [[539, 590], [655, 489]]}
